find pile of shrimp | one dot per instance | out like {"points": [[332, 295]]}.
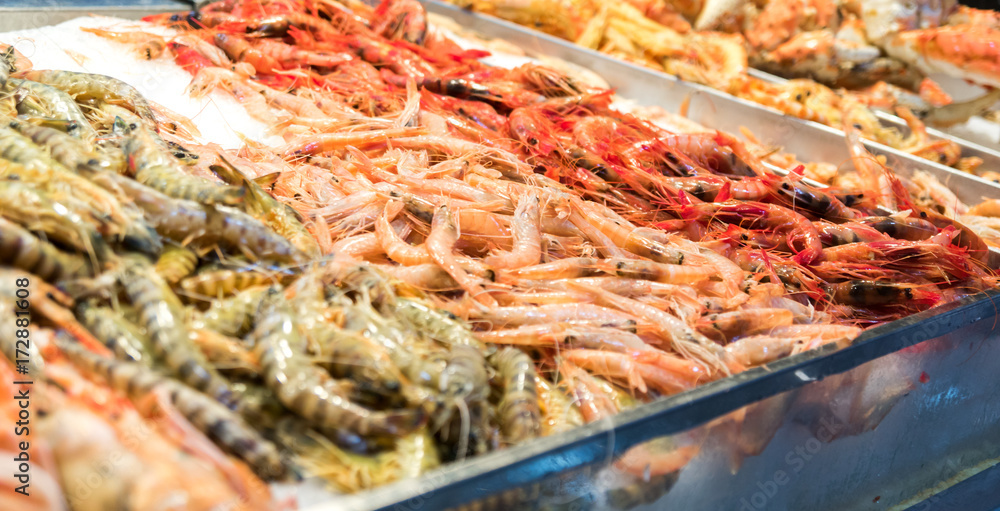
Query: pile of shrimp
{"points": [[822, 45], [444, 258]]}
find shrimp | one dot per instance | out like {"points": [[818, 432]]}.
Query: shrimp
{"points": [[728, 325], [84, 87], [439, 325], [175, 263], [146, 45], [400, 60], [623, 286], [153, 167], [621, 366], [164, 320], [395, 247], [308, 390], [240, 50], [359, 246], [70, 151], [527, 232], [755, 350], [327, 142], [913, 229], [429, 277], [872, 172], [440, 244], [571, 267], [657, 272], [939, 196], [226, 282], [101, 208], [989, 207], [800, 230], [520, 417], [20, 249], [277, 215], [551, 313], [684, 339], [400, 19], [867, 293], [234, 316], [823, 332], [352, 355], [40, 213], [559, 413], [51, 102], [230, 357], [118, 334], [188, 222], [219, 423], [588, 396], [288, 56]]}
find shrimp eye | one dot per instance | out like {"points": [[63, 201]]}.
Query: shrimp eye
{"points": [[785, 186], [532, 140], [857, 126], [175, 17], [744, 237], [923, 214], [798, 97]]}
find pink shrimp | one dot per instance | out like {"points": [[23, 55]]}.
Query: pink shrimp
{"points": [[593, 403], [288, 56], [622, 366], [358, 246], [240, 50], [395, 247], [527, 232], [802, 234], [440, 244]]}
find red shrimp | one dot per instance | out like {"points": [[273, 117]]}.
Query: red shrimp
{"points": [[802, 236]]}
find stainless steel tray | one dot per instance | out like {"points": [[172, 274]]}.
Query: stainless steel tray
{"points": [[808, 141], [23, 14], [561, 472], [990, 157], [520, 475]]}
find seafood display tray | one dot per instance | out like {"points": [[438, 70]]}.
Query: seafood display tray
{"points": [[808, 141], [811, 417], [990, 157]]}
